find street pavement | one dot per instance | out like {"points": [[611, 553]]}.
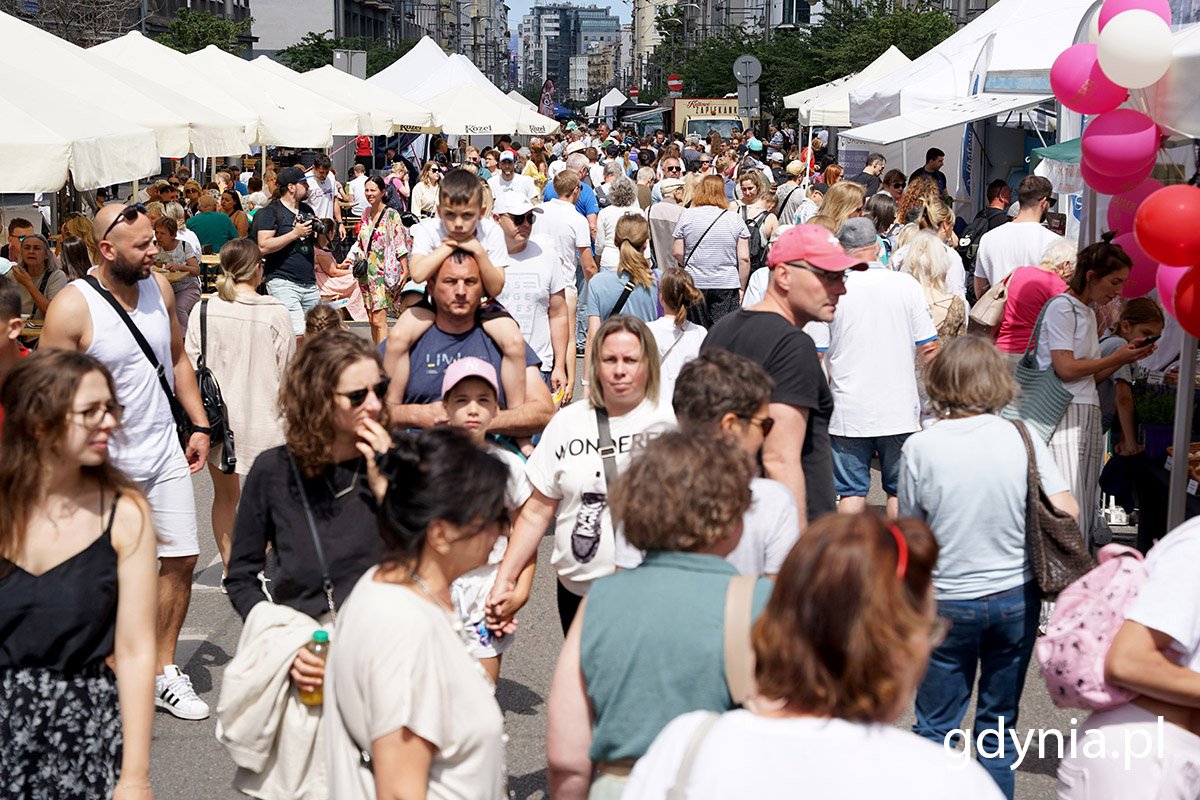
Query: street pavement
{"points": [[189, 763]]}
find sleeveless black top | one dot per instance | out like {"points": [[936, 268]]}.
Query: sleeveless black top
{"points": [[64, 619]]}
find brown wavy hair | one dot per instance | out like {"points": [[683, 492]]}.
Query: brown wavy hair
{"points": [[919, 189], [840, 623], [306, 396], [677, 291], [37, 396], [684, 491]]}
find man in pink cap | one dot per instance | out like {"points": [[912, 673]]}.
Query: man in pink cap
{"points": [[807, 276]]}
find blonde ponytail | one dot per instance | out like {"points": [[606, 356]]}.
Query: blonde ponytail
{"points": [[240, 259], [631, 236]]}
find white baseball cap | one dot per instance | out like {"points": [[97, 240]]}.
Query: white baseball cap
{"points": [[513, 203]]}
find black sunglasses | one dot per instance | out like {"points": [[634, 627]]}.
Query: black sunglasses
{"points": [[521, 219], [129, 214], [766, 423], [359, 396], [672, 169]]}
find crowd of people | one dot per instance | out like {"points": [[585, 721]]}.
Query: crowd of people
{"points": [[757, 332]]}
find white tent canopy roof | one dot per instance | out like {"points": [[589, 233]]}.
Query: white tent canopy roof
{"points": [[179, 126], [40, 142], [1028, 36], [940, 117], [469, 110], [424, 58], [517, 97], [829, 104], [612, 99], [1174, 102]]}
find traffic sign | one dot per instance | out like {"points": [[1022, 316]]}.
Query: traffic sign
{"points": [[675, 83], [633, 92], [749, 102], [747, 69]]}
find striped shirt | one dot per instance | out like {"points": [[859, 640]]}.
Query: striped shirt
{"points": [[711, 257]]}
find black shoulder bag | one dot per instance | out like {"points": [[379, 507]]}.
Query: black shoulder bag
{"points": [[696, 246], [214, 404], [183, 425]]}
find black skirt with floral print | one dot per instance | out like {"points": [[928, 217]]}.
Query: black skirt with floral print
{"points": [[60, 735]]}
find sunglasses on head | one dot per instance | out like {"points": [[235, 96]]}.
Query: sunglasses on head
{"points": [[129, 214], [521, 219], [359, 396]]}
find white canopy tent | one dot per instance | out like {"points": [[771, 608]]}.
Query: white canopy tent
{"points": [[517, 97], [603, 107], [829, 103], [468, 110], [1174, 102], [40, 142], [179, 126], [308, 119], [424, 58], [377, 109], [943, 116], [266, 122], [1026, 36]]}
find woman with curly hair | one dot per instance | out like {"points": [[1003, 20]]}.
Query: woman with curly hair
{"points": [[79, 226], [919, 190], [648, 643]]}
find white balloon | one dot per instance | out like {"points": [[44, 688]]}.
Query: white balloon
{"points": [[1134, 49], [1094, 28]]}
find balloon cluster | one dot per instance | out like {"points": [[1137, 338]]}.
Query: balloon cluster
{"points": [[1130, 47]]}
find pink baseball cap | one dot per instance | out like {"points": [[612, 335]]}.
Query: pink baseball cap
{"points": [[469, 367], [813, 244]]}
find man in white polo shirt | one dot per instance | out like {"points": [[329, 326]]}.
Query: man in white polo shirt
{"points": [[509, 182], [535, 288], [1020, 243], [881, 331]]}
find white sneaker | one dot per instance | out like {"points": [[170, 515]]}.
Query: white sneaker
{"points": [[173, 691]]}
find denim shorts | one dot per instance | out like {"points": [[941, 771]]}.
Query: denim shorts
{"points": [[298, 297], [852, 462]]}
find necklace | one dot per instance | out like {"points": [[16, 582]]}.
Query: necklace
{"points": [[340, 493], [420, 584]]}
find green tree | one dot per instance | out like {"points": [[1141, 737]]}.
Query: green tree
{"points": [[190, 31], [315, 50]]}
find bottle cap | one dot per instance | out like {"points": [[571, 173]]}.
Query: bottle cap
{"points": [[321, 636]]}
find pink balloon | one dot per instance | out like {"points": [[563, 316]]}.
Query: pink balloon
{"points": [[1141, 275], [1118, 142], [1113, 7], [1114, 185], [1079, 84], [1167, 281], [1122, 207]]}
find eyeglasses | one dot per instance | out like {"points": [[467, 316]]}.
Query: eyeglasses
{"points": [[94, 416], [129, 214], [673, 169], [766, 423], [359, 396], [521, 219], [900, 185], [826, 276]]}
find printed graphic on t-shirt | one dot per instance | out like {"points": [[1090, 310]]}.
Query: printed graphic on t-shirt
{"points": [[581, 446], [585, 538]]}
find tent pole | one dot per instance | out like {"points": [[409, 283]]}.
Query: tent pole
{"points": [[1185, 399]]}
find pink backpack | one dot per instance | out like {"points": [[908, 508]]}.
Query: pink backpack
{"points": [[1082, 627]]}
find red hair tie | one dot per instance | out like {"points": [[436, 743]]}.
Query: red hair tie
{"points": [[902, 550]]}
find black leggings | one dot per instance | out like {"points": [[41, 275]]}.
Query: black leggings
{"points": [[568, 606], [717, 303]]}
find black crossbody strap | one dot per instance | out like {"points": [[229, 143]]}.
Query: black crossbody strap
{"points": [[696, 246], [623, 299], [326, 580], [203, 334], [176, 409], [608, 451], [650, 235]]}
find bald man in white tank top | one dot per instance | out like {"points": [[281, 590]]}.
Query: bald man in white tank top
{"points": [[148, 451]]}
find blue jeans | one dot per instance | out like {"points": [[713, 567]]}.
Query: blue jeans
{"points": [[995, 634], [298, 297], [852, 463]]}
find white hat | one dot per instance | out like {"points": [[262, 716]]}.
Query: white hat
{"points": [[576, 147], [507, 155], [668, 185], [513, 203], [776, 156]]}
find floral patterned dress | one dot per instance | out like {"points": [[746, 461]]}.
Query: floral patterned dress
{"points": [[383, 240]]}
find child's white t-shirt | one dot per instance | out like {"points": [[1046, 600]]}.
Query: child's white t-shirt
{"points": [[428, 235]]}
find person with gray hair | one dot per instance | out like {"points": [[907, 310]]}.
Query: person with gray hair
{"points": [[37, 275], [611, 170], [645, 183], [880, 335], [622, 196]]}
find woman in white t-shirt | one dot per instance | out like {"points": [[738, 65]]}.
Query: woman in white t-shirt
{"points": [[1067, 341], [569, 476], [967, 478], [678, 339], [181, 264], [402, 687], [1150, 745], [825, 708], [622, 196]]}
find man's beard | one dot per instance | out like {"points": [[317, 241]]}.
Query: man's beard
{"points": [[127, 272]]}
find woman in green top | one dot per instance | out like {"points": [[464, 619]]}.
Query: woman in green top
{"points": [[648, 643]]}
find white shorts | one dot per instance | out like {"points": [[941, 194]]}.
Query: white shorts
{"points": [[469, 593], [173, 507]]}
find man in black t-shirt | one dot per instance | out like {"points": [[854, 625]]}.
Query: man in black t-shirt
{"points": [[869, 178], [289, 269], [934, 159], [808, 272]]}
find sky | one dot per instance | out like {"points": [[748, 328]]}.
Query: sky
{"points": [[519, 8]]}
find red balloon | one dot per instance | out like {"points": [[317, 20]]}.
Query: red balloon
{"points": [[1167, 283], [1144, 269], [1123, 207], [1167, 225], [1187, 302]]}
